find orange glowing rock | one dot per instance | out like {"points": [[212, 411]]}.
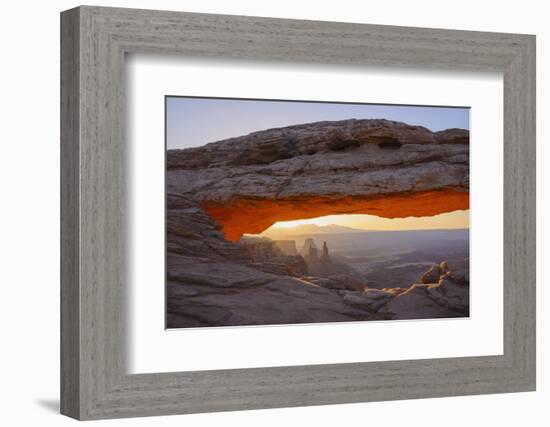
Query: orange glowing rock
{"points": [[253, 215]]}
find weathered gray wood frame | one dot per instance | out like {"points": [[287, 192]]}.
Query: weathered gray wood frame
{"points": [[94, 41]]}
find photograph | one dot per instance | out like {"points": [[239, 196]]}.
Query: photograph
{"points": [[293, 212]]}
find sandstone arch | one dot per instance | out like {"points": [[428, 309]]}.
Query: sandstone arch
{"points": [[219, 191], [378, 167], [246, 215]]}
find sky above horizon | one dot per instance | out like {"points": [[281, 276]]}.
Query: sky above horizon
{"points": [[192, 122]]}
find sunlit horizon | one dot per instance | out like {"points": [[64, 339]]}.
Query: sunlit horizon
{"points": [[451, 220]]}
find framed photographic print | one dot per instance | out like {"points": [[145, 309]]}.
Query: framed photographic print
{"points": [[330, 217], [347, 211]]}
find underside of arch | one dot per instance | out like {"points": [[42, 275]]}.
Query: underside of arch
{"points": [[245, 215]]}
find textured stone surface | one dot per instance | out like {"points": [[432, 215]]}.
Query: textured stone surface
{"points": [[266, 255], [210, 293], [353, 166], [432, 275], [217, 192]]}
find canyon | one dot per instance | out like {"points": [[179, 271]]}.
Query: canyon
{"points": [[220, 193]]}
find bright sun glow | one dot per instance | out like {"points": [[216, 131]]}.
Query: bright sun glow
{"points": [[450, 220]]}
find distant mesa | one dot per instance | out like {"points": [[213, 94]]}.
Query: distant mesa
{"points": [[311, 252], [288, 247], [321, 265], [312, 255], [267, 255], [309, 248]]}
